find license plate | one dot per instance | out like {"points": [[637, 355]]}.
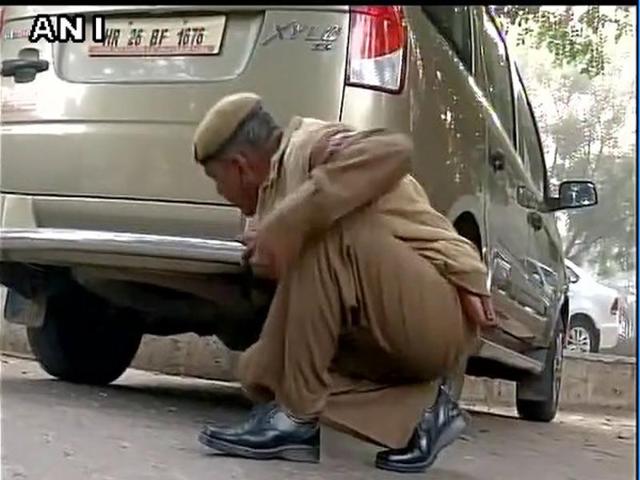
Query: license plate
{"points": [[160, 37]]}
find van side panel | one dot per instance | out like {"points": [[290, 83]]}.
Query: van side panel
{"points": [[121, 127], [441, 109]]}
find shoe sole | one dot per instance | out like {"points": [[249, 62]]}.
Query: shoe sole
{"points": [[449, 436], [292, 453]]}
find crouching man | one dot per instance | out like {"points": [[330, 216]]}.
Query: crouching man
{"points": [[377, 295]]}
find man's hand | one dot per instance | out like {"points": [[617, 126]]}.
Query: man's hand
{"points": [[248, 239], [268, 253], [478, 309]]}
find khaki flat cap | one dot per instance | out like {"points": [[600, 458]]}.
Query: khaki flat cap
{"points": [[221, 121]]}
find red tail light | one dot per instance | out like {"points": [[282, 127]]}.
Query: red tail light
{"points": [[377, 44]]}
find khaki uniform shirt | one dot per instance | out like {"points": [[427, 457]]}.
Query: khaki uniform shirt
{"points": [[323, 171]]}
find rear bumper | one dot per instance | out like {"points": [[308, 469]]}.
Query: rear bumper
{"points": [[87, 247]]}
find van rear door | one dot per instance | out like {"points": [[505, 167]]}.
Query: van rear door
{"points": [[115, 120]]}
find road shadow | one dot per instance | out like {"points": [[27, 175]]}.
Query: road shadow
{"points": [[178, 397], [203, 393], [491, 415], [190, 392]]}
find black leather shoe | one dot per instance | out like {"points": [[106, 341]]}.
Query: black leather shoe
{"points": [[440, 426], [268, 434]]}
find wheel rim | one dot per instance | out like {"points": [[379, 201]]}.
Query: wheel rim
{"points": [[579, 340]]}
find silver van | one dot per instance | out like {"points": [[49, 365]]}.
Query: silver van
{"points": [[110, 230]]}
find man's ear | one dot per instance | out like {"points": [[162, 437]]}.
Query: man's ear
{"points": [[242, 165], [241, 162]]}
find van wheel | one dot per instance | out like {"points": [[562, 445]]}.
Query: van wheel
{"points": [[546, 385], [84, 340]]}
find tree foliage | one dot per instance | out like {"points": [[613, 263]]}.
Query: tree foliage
{"points": [[573, 39], [588, 128]]}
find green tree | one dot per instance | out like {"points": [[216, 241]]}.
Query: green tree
{"points": [[588, 129], [573, 38]]}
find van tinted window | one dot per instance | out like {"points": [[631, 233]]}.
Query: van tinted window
{"points": [[454, 24], [528, 138], [550, 276], [498, 74]]}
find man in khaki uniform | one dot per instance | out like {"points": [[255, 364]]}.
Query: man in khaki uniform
{"points": [[377, 295]]}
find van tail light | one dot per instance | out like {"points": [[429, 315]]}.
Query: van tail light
{"points": [[377, 46], [615, 306]]}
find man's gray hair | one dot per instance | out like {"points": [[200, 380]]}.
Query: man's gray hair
{"points": [[254, 131]]}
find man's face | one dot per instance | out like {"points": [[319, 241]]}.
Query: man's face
{"points": [[235, 181]]}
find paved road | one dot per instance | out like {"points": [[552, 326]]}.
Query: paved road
{"points": [[145, 426]]}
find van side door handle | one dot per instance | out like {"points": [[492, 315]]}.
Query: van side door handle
{"points": [[496, 160], [22, 69]]}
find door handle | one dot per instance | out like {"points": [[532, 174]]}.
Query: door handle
{"points": [[535, 220], [496, 159], [22, 69]]}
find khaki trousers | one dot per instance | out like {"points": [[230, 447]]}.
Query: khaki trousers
{"points": [[358, 333]]}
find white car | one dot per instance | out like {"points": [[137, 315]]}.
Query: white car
{"points": [[595, 312]]}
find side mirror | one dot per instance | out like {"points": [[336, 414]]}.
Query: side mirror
{"points": [[576, 194], [571, 276]]}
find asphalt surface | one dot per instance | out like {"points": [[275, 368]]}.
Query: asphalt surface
{"points": [[145, 427]]}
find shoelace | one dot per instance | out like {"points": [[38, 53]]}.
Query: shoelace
{"points": [[261, 410]]}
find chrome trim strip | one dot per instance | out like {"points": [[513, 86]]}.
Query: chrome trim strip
{"points": [[136, 244]]}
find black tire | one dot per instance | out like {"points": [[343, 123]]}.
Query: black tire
{"points": [[586, 326], [84, 340], [546, 385]]}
